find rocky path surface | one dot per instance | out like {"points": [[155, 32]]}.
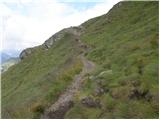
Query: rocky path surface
{"points": [[65, 101]]}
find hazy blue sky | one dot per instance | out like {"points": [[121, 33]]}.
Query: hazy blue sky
{"points": [[27, 23]]}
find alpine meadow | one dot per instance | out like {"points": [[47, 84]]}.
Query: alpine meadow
{"points": [[105, 68]]}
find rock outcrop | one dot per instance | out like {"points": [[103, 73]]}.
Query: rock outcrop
{"points": [[25, 53], [72, 30]]}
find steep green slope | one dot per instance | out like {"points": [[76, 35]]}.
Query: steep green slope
{"points": [[125, 47], [31, 85], [124, 84]]}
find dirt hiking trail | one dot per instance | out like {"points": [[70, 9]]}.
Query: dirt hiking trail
{"points": [[65, 101]]}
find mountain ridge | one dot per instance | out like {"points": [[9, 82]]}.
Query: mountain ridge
{"points": [[123, 44], [49, 42]]}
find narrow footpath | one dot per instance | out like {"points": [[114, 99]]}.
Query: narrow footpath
{"points": [[65, 101]]}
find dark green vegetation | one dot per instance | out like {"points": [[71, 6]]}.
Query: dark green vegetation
{"points": [[124, 46]]}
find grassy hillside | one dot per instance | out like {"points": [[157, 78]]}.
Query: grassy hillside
{"points": [[31, 85], [124, 84], [125, 47]]}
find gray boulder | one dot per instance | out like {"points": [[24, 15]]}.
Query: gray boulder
{"points": [[136, 93], [90, 102], [99, 91]]}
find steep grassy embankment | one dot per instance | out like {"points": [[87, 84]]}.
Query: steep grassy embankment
{"points": [[38, 80], [125, 47], [124, 84]]}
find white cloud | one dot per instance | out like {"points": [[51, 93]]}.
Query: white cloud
{"points": [[26, 24]]}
